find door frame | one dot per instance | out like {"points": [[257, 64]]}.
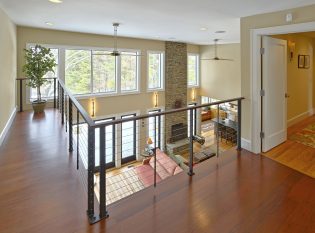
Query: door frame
{"points": [[255, 71]]}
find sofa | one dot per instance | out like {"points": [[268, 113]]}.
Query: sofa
{"points": [[165, 167]]}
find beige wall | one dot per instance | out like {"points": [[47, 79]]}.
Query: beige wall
{"points": [[7, 68], [221, 79], [104, 105], [299, 81], [313, 76], [301, 15]]}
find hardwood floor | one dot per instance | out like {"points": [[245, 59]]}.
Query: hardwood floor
{"points": [[293, 154], [41, 191]]}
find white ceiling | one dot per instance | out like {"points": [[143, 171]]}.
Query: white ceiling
{"points": [[158, 19]]}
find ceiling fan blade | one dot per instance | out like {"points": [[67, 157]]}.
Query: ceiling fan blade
{"points": [[216, 59], [225, 59]]}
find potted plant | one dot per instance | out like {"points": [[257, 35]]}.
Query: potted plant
{"points": [[39, 61]]}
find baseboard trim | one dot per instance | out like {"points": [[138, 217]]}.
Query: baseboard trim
{"points": [[246, 144], [299, 117], [7, 126]]}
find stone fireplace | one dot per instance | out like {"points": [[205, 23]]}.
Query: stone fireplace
{"points": [[175, 90]]}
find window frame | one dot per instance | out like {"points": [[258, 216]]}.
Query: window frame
{"points": [[113, 163], [134, 156], [194, 119], [158, 125], [61, 70], [162, 70], [138, 71], [197, 69]]}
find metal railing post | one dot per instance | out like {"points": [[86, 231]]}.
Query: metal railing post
{"points": [[55, 93], [66, 112], [191, 144], [58, 95], [159, 131], [70, 127], [62, 107], [78, 139], [217, 133], [102, 185], [239, 124], [154, 151], [21, 96], [91, 166]]}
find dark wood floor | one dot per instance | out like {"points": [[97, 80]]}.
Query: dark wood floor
{"points": [[41, 191]]}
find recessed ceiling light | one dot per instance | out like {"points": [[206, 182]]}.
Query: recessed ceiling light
{"points": [[56, 1], [49, 23], [203, 29], [220, 32]]}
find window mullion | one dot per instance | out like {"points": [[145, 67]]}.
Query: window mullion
{"points": [[92, 82], [118, 74]]}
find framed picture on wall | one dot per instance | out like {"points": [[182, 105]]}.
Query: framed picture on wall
{"points": [[304, 61], [307, 62], [301, 61]]}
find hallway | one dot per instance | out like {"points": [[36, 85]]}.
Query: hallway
{"points": [[294, 154], [41, 191]]}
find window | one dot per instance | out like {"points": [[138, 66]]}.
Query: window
{"points": [[128, 140], [95, 71], [194, 120], [193, 70], [104, 72], [154, 133], [155, 70], [109, 143], [47, 90], [87, 71], [129, 79], [78, 71]]}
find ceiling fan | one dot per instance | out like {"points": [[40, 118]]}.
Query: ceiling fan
{"points": [[216, 58], [115, 52]]}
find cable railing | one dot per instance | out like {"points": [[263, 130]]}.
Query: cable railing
{"points": [[148, 148]]}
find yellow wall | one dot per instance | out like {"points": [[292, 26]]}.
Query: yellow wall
{"points": [[301, 15], [221, 79], [105, 105], [299, 81], [7, 68]]}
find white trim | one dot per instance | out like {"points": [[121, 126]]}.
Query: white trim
{"points": [[7, 125], [246, 144], [255, 71], [299, 117], [162, 65], [197, 69]]}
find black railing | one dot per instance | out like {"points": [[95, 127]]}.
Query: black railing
{"points": [[75, 115]]}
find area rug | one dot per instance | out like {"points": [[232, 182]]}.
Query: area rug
{"points": [[305, 136], [119, 186]]}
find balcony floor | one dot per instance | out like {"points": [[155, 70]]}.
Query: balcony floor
{"points": [[41, 191]]}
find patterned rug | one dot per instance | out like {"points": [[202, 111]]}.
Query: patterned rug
{"points": [[119, 186], [306, 136]]}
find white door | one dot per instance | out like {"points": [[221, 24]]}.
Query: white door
{"points": [[274, 84]]}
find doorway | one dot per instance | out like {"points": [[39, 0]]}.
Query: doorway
{"points": [[287, 104], [256, 71]]}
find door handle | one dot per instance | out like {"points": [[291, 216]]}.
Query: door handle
{"points": [[286, 95]]}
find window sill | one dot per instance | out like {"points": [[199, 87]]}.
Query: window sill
{"points": [[155, 90], [100, 95]]}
